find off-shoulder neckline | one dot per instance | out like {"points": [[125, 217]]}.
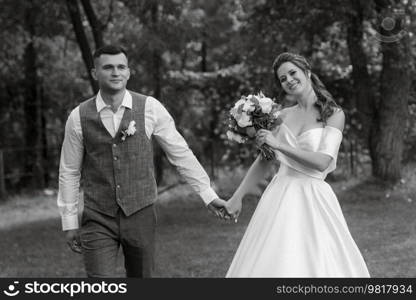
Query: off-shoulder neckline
{"points": [[306, 131]]}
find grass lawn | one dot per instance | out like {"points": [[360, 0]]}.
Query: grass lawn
{"points": [[192, 243]]}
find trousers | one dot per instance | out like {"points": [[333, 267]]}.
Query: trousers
{"points": [[102, 235]]}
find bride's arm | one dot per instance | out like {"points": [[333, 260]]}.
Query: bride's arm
{"points": [[257, 172], [315, 160]]}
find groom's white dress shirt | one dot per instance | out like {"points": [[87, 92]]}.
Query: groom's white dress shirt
{"points": [[158, 123]]}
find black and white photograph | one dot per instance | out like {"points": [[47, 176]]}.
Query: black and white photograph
{"points": [[208, 139]]}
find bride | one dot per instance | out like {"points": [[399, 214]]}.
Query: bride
{"points": [[298, 229]]}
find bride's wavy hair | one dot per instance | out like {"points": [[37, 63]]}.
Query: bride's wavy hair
{"points": [[325, 103]]}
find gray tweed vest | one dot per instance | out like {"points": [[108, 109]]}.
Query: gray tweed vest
{"points": [[117, 173]]}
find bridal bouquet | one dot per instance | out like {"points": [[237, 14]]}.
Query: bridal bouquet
{"points": [[250, 114]]}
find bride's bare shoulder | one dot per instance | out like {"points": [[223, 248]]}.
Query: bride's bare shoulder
{"points": [[285, 112]]}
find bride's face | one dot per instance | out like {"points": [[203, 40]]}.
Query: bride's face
{"points": [[293, 80]]}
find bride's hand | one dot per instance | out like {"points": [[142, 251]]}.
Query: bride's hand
{"points": [[266, 137], [217, 207], [233, 207]]}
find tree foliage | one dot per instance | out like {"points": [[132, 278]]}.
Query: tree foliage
{"points": [[198, 57]]}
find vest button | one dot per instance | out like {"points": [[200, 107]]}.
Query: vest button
{"points": [[114, 145], [115, 157], [118, 186]]}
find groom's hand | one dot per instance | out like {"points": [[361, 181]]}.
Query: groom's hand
{"points": [[73, 240], [233, 207], [217, 207]]}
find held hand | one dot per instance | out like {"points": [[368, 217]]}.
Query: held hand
{"points": [[266, 137], [233, 207], [217, 207], [73, 240]]}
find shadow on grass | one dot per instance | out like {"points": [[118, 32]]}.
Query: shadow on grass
{"points": [[193, 243], [190, 243], [383, 227], [37, 249]]}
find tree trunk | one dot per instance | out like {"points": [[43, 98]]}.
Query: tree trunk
{"points": [[82, 40], [391, 117], [44, 138], [96, 26], [363, 91], [214, 114], [157, 86], [158, 152], [158, 157], [32, 108], [3, 192]]}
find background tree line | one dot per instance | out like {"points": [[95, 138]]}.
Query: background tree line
{"points": [[198, 57]]}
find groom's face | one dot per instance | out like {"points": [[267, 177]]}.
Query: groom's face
{"points": [[111, 71]]}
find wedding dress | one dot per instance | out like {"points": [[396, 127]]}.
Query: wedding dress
{"points": [[298, 229]]}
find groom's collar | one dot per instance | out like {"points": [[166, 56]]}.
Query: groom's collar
{"points": [[127, 101]]}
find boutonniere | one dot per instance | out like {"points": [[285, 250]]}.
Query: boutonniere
{"points": [[129, 131]]}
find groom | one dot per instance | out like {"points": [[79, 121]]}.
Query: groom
{"points": [[107, 146]]}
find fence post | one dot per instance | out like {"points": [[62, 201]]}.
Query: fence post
{"points": [[2, 178]]}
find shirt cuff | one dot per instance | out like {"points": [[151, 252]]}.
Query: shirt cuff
{"points": [[208, 195], [70, 222]]}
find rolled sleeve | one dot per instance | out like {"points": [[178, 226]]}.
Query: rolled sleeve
{"points": [[208, 195], [69, 222]]}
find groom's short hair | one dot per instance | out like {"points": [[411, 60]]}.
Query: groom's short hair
{"points": [[109, 49]]}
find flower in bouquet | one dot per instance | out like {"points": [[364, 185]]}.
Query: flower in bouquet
{"points": [[250, 114]]}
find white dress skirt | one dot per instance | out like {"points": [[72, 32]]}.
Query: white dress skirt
{"points": [[298, 229]]}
